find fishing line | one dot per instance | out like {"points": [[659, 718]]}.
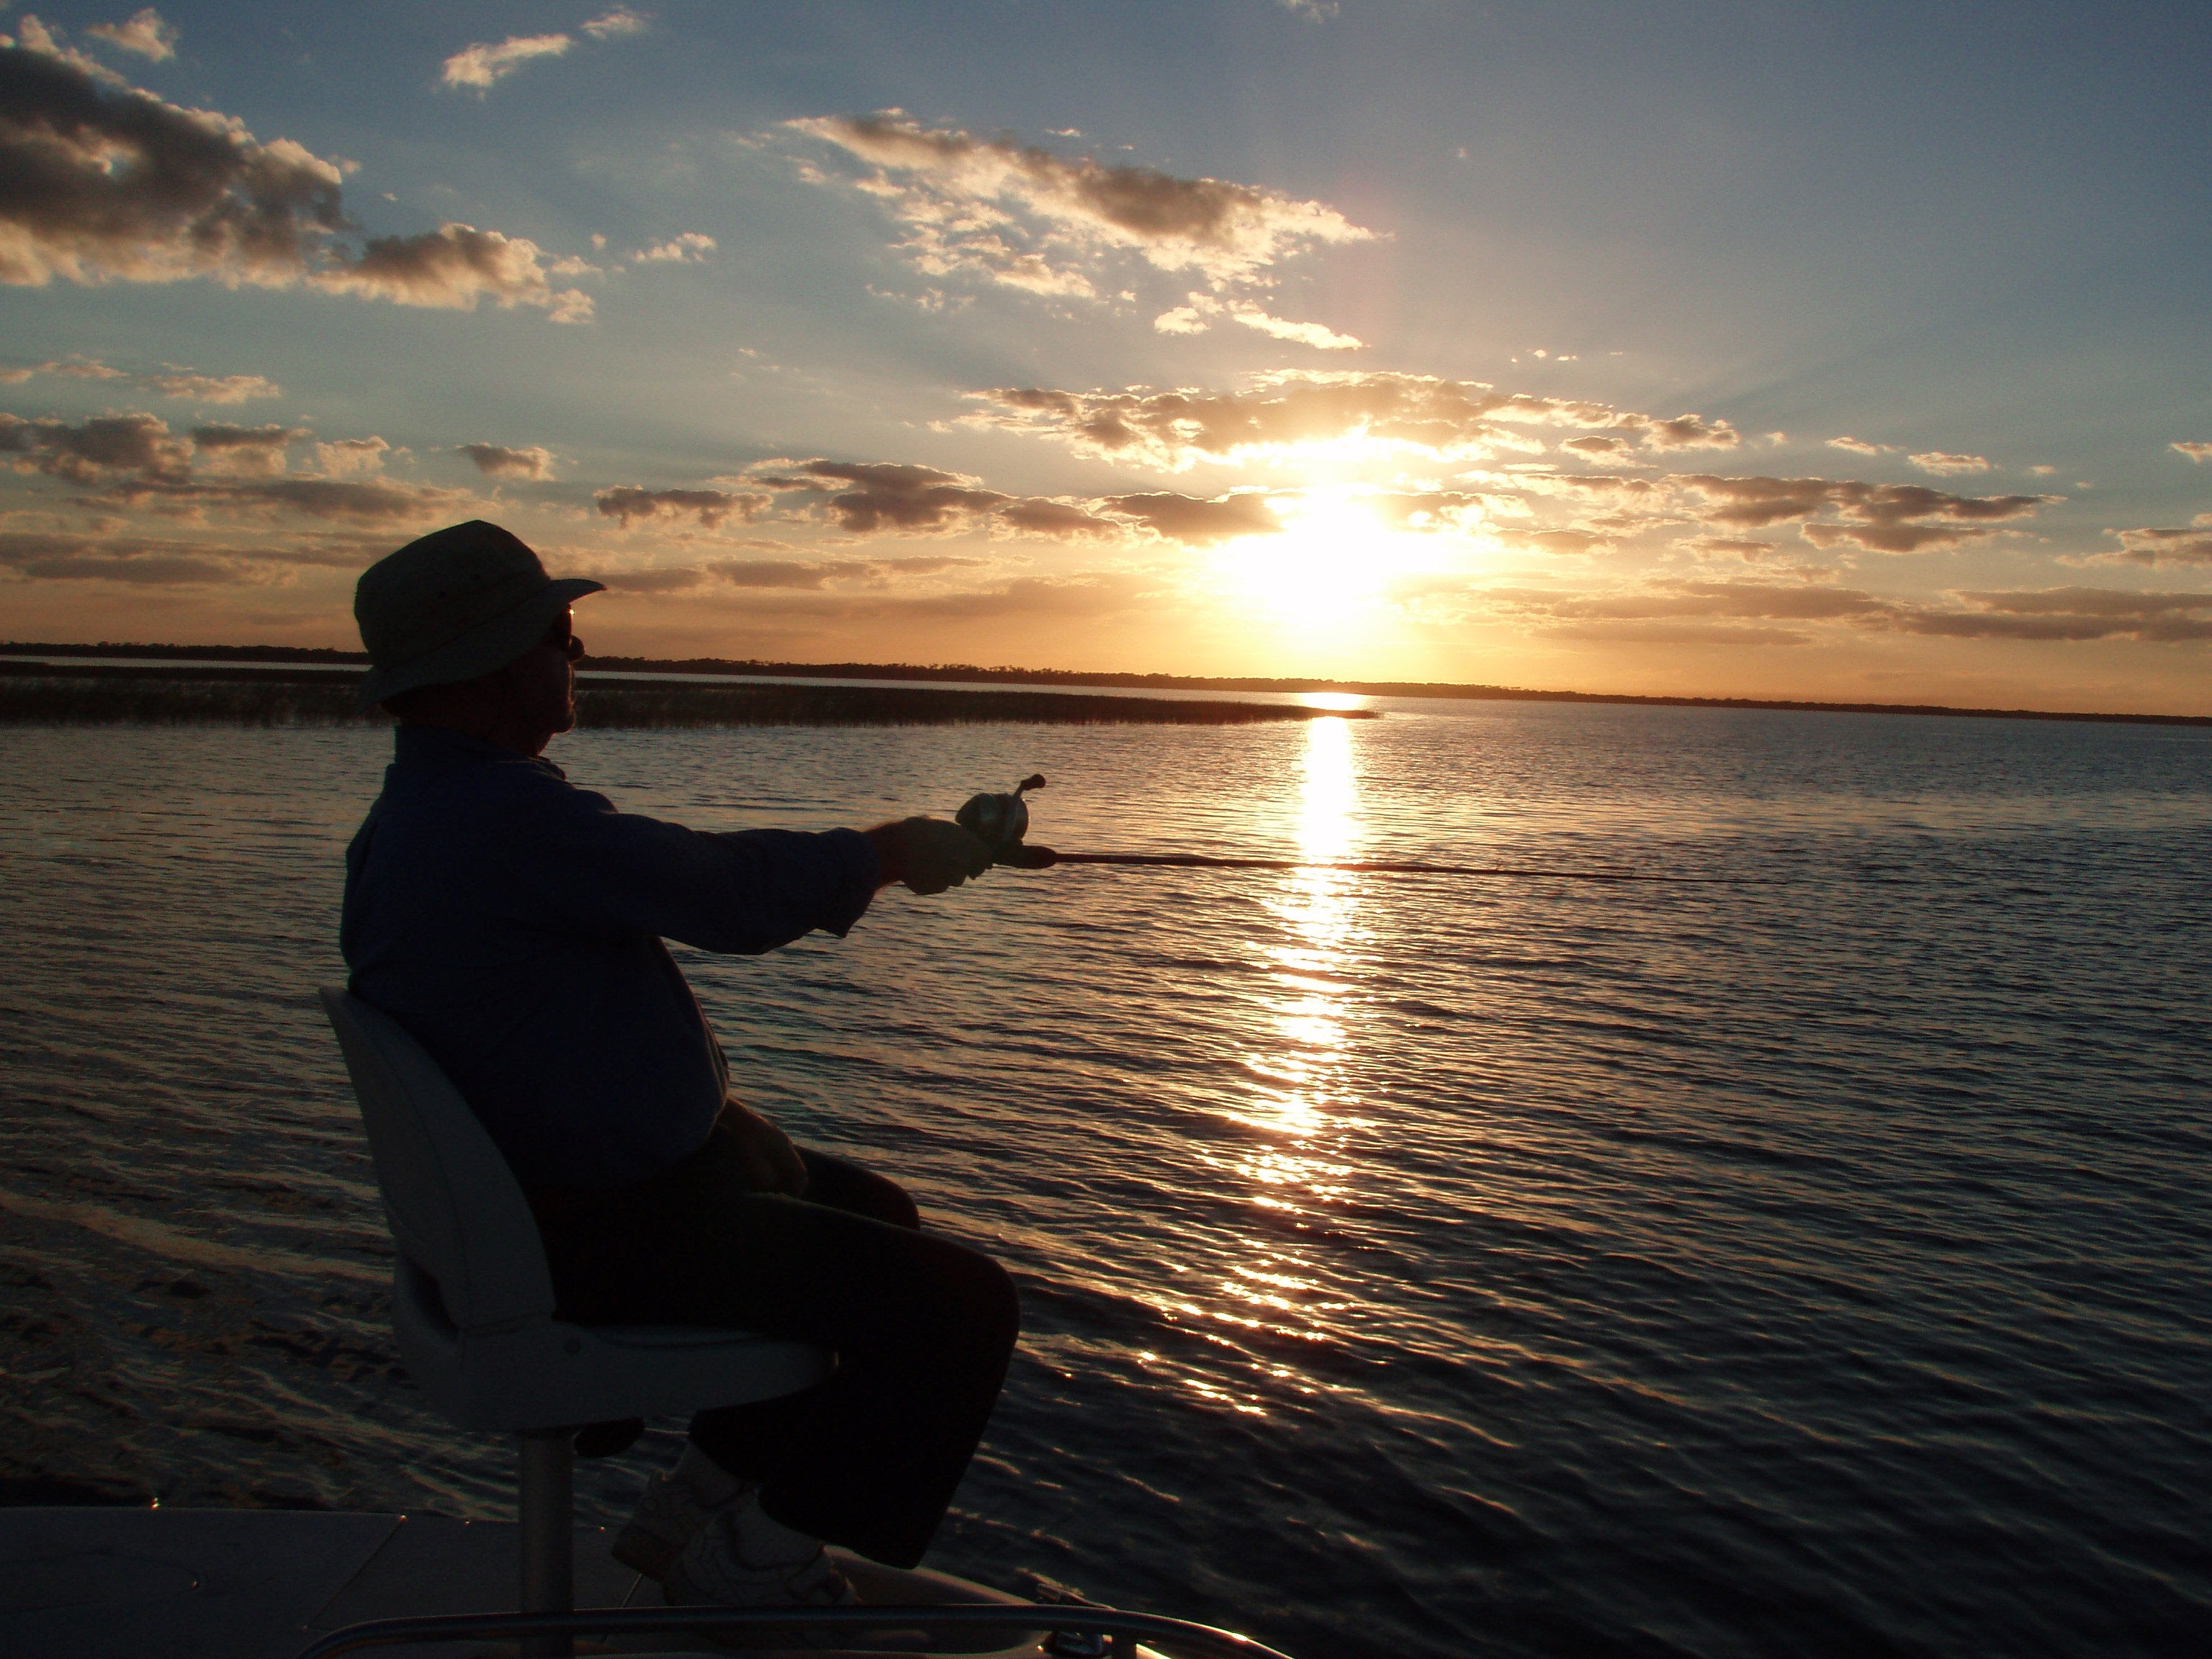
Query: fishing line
{"points": [[1043, 858], [1001, 821]]}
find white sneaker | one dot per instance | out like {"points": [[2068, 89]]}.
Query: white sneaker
{"points": [[713, 1570], [674, 1507]]}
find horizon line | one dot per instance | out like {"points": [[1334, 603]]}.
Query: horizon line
{"points": [[1285, 684]]}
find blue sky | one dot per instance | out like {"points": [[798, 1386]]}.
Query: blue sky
{"points": [[1500, 343]]}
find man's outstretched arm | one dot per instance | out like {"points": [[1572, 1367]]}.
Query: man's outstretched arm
{"points": [[736, 891]]}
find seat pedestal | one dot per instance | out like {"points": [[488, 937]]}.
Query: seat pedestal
{"points": [[547, 1511]]}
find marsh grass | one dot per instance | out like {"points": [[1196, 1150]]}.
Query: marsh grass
{"points": [[166, 696]]}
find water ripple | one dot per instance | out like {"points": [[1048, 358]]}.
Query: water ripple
{"points": [[1410, 1267]]}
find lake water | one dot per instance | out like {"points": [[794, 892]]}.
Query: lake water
{"points": [[1412, 1266]]}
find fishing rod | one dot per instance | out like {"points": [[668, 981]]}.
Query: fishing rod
{"points": [[1000, 822]]}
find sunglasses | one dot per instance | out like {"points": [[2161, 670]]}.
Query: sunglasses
{"points": [[564, 638]]}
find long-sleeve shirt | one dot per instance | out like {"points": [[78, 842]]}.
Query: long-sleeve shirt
{"points": [[513, 923]]}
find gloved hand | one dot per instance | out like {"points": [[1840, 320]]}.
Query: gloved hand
{"points": [[928, 854]]}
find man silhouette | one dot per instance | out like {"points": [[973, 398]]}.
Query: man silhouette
{"points": [[514, 924]]}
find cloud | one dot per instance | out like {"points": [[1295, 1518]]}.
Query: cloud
{"points": [[160, 562], [1859, 446], [1899, 504], [1717, 612], [1068, 599], [1314, 11], [872, 497], [1565, 542], [112, 183], [1643, 633], [2196, 451], [1613, 449], [483, 65], [243, 451], [1753, 503], [1687, 612], [2071, 614], [174, 381], [184, 383], [87, 453], [1878, 518], [352, 457], [615, 22], [2175, 546], [1191, 318], [136, 461], [795, 573], [1291, 414], [145, 33], [1196, 522], [139, 562], [690, 247], [75, 368], [453, 267], [1300, 417], [847, 591], [1934, 460], [1685, 432], [106, 183], [1026, 218], [892, 498], [1640, 492], [1041, 516], [498, 461], [805, 575], [1900, 539], [372, 500], [1727, 547], [1313, 334], [630, 504], [35, 36], [1433, 509], [786, 573]]}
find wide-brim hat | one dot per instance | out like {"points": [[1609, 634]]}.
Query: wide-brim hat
{"points": [[456, 603]]}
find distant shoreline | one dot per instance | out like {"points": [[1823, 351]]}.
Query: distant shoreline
{"points": [[297, 695], [1106, 681]]}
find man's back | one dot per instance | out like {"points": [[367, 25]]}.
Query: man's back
{"points": [[514, 924]]}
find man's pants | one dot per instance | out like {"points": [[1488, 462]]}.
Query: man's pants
{"points": [[922, 1327]]}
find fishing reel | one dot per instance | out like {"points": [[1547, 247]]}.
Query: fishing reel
{"points": [[999, 821]]}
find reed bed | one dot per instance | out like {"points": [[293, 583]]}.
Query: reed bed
{"points": [[282, 697]]}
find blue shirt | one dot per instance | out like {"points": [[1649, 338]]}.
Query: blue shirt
{"points": [[513, 922]]}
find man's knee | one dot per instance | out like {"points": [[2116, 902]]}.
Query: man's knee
{"points": [[841, 1184], [989, 1300]]}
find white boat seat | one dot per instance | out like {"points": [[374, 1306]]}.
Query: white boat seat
{"points": [[472, 1302]]}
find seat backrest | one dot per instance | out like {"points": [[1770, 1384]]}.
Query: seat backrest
{"points": [[453, 1205]]}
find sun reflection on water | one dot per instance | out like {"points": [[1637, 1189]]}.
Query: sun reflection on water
{"points": [[1299, 1060], [1319, 910]]}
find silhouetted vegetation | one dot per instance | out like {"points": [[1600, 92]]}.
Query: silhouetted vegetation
{"points": [[75, 695], [974, 674]]}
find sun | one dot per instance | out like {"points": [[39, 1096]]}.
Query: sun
{"points": [[1331, 566]]}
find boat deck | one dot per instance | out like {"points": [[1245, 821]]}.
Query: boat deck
{"points": [[217, 1583]]}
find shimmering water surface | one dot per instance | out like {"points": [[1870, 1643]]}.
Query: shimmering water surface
{"points": [[1412, 1266]]}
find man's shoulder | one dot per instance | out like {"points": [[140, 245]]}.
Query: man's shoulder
{"points": [[446, 777], [432, 757]]}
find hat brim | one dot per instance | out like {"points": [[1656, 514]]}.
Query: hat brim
{"points": [[484, 649]]}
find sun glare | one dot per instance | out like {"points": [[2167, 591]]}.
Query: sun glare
{"points": [[1334, 561]]}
